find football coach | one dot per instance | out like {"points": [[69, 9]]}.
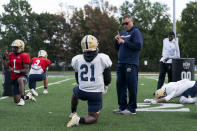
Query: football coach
{"points": [[129, 44]]}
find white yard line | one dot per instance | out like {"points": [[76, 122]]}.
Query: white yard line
{"points": [[152, 78], [54, 83], [4, 97]]}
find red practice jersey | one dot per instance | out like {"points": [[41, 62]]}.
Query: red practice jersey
{"points": [[39, 65], [17, 62]]}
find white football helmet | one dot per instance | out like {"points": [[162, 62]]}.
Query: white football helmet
{"points": [[19, 44], [42, 53], [160, 94], [89, 43]]}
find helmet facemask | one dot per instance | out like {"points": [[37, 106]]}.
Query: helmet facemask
{"points": [[18, 46], [160, 94]]}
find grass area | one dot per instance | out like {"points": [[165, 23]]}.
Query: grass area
{"points": [[51, 111]]}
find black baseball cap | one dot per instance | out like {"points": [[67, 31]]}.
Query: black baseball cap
{"points": [[171, 33]]}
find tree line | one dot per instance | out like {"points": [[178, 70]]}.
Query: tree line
{"points": [[60, 34]]}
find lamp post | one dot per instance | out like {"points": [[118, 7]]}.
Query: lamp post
{"points": [[174, 17]]}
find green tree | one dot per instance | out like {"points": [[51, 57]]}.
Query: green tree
{"points": [[39, 31], [51, 33], [15, 22], [96, 21], [188, 28]]}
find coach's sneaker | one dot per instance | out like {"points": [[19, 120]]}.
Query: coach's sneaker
{"points": [[31, 97], [128, 112], [71, 115], [45, 91], [133, 111], [21, 102], [195, 100], [118, 111], [74, 120], [34, 92]]}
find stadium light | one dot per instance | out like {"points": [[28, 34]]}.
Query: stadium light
{"points": [[174, 17]]}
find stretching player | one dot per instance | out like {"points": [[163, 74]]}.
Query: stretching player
{"points": [[186, 89]]}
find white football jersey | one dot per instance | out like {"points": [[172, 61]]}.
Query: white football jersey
{"points": [[35, 69], [90, 74], [175, 89]]}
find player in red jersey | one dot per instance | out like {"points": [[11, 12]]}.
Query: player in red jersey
{"points": [[18, 64], [38, 72]]}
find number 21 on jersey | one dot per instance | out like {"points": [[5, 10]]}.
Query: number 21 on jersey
{"points": [[85, 69]]}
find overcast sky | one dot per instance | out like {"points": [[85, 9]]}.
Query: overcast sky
{"points": [[53, 6]]}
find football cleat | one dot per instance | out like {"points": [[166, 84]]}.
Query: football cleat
{"points": [[42, 53], [71, 114], [33, 92], [74, 120], [18, 46], [31, 97], [160, 93], [21, 102], [89, 43], [189, 100], [45, 91]]}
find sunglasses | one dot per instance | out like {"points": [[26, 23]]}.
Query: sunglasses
{"points": [[125, 23], [171, 35]]}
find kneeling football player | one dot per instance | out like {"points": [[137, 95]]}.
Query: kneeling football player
{"points": [[18, 64], [92, 73]]}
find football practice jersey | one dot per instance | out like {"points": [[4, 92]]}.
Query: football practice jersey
{"points": [[175, 89], [90, 74], [17, 62], [39, 65]]}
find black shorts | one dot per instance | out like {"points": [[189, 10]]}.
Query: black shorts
{"points": [[94, 99], [15, 85], [191, 91]]}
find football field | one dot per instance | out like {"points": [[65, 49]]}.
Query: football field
{"points": [[50, 112]]}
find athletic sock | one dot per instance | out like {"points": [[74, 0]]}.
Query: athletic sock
{"points": [[22, 97], [27, 97], [73, 110], [82, 120]]}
